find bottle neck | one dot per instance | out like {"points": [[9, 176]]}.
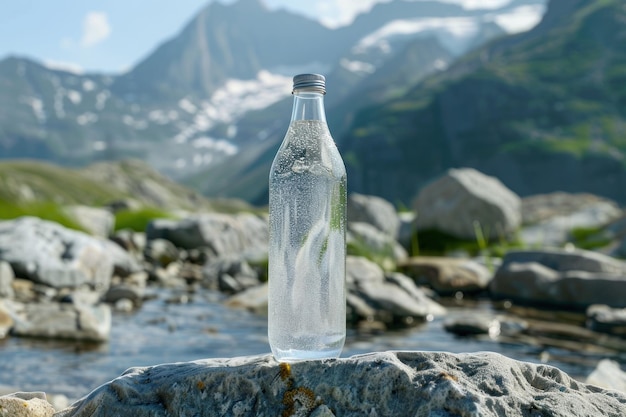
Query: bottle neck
{"points": [[308, 105]]}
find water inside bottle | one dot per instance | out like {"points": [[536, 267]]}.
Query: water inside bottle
{"points": [[307, 245]]}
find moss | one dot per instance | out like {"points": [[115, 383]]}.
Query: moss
{"points": [[297, 399]]}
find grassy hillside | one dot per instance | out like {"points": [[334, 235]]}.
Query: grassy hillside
{"points": [[40, 189]]}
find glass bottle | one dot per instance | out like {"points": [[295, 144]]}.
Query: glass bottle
{"points": [[307, 250]]}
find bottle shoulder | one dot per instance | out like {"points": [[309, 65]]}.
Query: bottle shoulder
{"points": [[308, 145]]}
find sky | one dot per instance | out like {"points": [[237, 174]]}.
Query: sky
{"points": [[112, 36]]}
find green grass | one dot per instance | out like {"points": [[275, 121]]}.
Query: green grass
{"points": [[138, 220], [44, 210], [589, 238], [384, 258]]}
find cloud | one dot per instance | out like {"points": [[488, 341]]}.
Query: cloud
{"points": [[335, 13], [96, 29]]}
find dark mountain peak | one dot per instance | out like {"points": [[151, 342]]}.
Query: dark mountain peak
{"points": [[238, 7], [250, 5]]}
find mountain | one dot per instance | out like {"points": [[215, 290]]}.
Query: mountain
{"points": [[543, 110], [226, 42], [398, 43], [210, 106]]}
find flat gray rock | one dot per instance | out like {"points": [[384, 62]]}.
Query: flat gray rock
{"points": [[378, 384], [557, 277]]}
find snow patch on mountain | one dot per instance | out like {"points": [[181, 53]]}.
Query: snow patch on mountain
{"points": [[457, 27], [357, 66], [231, 101], [237, 97], [86, 118], [36, 104], [520, 19], [88, 85]]}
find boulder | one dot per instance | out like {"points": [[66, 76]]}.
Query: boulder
{"points": [[25, 404], [563, 260], [6, 280], [473, 325], [608, 374], [224, 234], [549, 218], [568, 279], [229, 275], [378, 384], [48, 253], [463, 200], [394, 298], [375, 211], [97, 221], [447, 275], [160, 252], [369, 241], [132, 293], [131, 241], [63, 321], [253, 299], [124, 263], [602, 318], [6, 321]]}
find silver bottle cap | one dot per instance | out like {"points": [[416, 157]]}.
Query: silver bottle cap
{"points": [[310, 82]]}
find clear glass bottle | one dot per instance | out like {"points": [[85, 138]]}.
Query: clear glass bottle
{"points": [[307, 250]]}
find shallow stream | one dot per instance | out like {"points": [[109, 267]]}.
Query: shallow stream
{"points": [[162, 332]]}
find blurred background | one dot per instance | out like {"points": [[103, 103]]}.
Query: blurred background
{"points": [[155, 109]]}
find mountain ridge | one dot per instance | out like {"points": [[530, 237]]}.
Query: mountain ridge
{"points": [[183, 109], [522, 108]]}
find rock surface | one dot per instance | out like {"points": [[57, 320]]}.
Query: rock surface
{"points": [[393, 298], [570, 279], [602, 318], [97, 221], [551, 217], [6, 280], [464, 199], [25, 404], [50, 254], [63, 321], [366, 238], [447, 275], [374, 210], [224, 234], [608, 375], [380, 384]]}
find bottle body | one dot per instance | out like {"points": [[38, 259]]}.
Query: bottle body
{"points": [[307, 300]]}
